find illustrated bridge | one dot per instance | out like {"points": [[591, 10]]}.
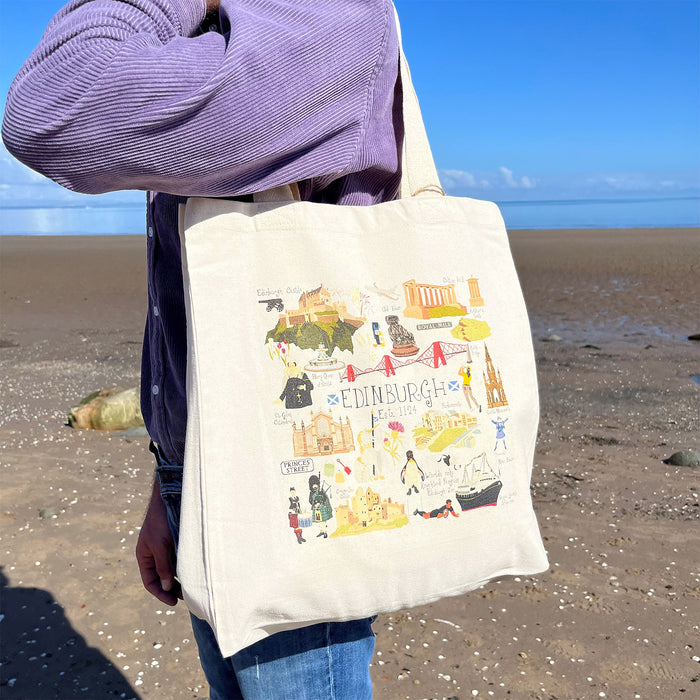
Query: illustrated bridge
{"points": [[434, 356]]}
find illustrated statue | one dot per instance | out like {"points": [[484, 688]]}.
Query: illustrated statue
{"points": [[404, 341]]}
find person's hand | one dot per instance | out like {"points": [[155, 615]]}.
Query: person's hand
{"points": [[155, 552], [213, 5]]}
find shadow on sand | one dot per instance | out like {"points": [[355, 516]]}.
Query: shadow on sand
{"points": [[44, 658]]}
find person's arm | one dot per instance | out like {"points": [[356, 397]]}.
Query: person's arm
{"points": [[119, 95], [155, 552]]}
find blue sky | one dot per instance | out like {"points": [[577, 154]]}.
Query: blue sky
{"points": [[523, 100]]}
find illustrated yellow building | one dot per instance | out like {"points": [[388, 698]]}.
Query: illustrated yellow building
{"points": [[442, 421]]}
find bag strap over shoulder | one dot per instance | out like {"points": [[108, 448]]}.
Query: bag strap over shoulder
{"points": [[419, 175], [283, 193]]}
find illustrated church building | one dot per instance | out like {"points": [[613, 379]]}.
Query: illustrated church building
{"points": [[322, 436]]}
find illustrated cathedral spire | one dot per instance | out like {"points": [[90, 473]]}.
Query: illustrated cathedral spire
{"points": [[495, 395]]}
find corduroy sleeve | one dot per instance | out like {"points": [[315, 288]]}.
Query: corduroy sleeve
{"points": [[119, 94]]}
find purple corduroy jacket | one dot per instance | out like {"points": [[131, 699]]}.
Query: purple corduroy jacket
{"points": [[135, 95]]}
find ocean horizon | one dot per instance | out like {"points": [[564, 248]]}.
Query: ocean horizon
{"points": [[128, 218]]}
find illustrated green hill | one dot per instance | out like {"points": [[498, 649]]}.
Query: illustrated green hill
{"points": [[308, 336]]}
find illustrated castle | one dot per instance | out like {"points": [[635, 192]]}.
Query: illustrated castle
{"points": [[322, 436], [495, 395], [315, 307], [366, 508]]}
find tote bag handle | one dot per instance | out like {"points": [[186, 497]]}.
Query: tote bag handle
{"points": [[283, 193], [419, 175]]}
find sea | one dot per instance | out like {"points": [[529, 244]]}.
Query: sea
{"points": [[129, 217]]}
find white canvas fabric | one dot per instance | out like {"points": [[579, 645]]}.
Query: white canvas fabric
{"points": [[362, 406]]}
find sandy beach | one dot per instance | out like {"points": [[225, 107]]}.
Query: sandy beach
{"points": [[616, 616]]}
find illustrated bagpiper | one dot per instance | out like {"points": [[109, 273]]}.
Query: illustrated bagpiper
{"points": [[321, 508]]}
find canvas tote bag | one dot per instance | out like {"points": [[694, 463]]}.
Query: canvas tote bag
{"points": [[362, 405]]}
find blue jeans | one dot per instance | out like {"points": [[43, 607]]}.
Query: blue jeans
{"points": [[327, 661]]}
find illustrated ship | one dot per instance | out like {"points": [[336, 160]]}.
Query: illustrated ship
{"points": [[481, 485]]}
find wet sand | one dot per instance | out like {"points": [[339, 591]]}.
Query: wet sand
{"points": [[616, 615]]}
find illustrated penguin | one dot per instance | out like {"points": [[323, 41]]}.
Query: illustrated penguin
{"points": [[411, 474]]}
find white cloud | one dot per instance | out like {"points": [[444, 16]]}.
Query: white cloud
{"points": [[634, 183], [463, 182], [503, 184], [516, 183], [631, 182], [457, 178], [507, 176], [497, 183]]}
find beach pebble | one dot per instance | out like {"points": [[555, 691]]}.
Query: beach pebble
{"points": [[45, 513], [684, 458], [113, 409], [554, 338]]}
